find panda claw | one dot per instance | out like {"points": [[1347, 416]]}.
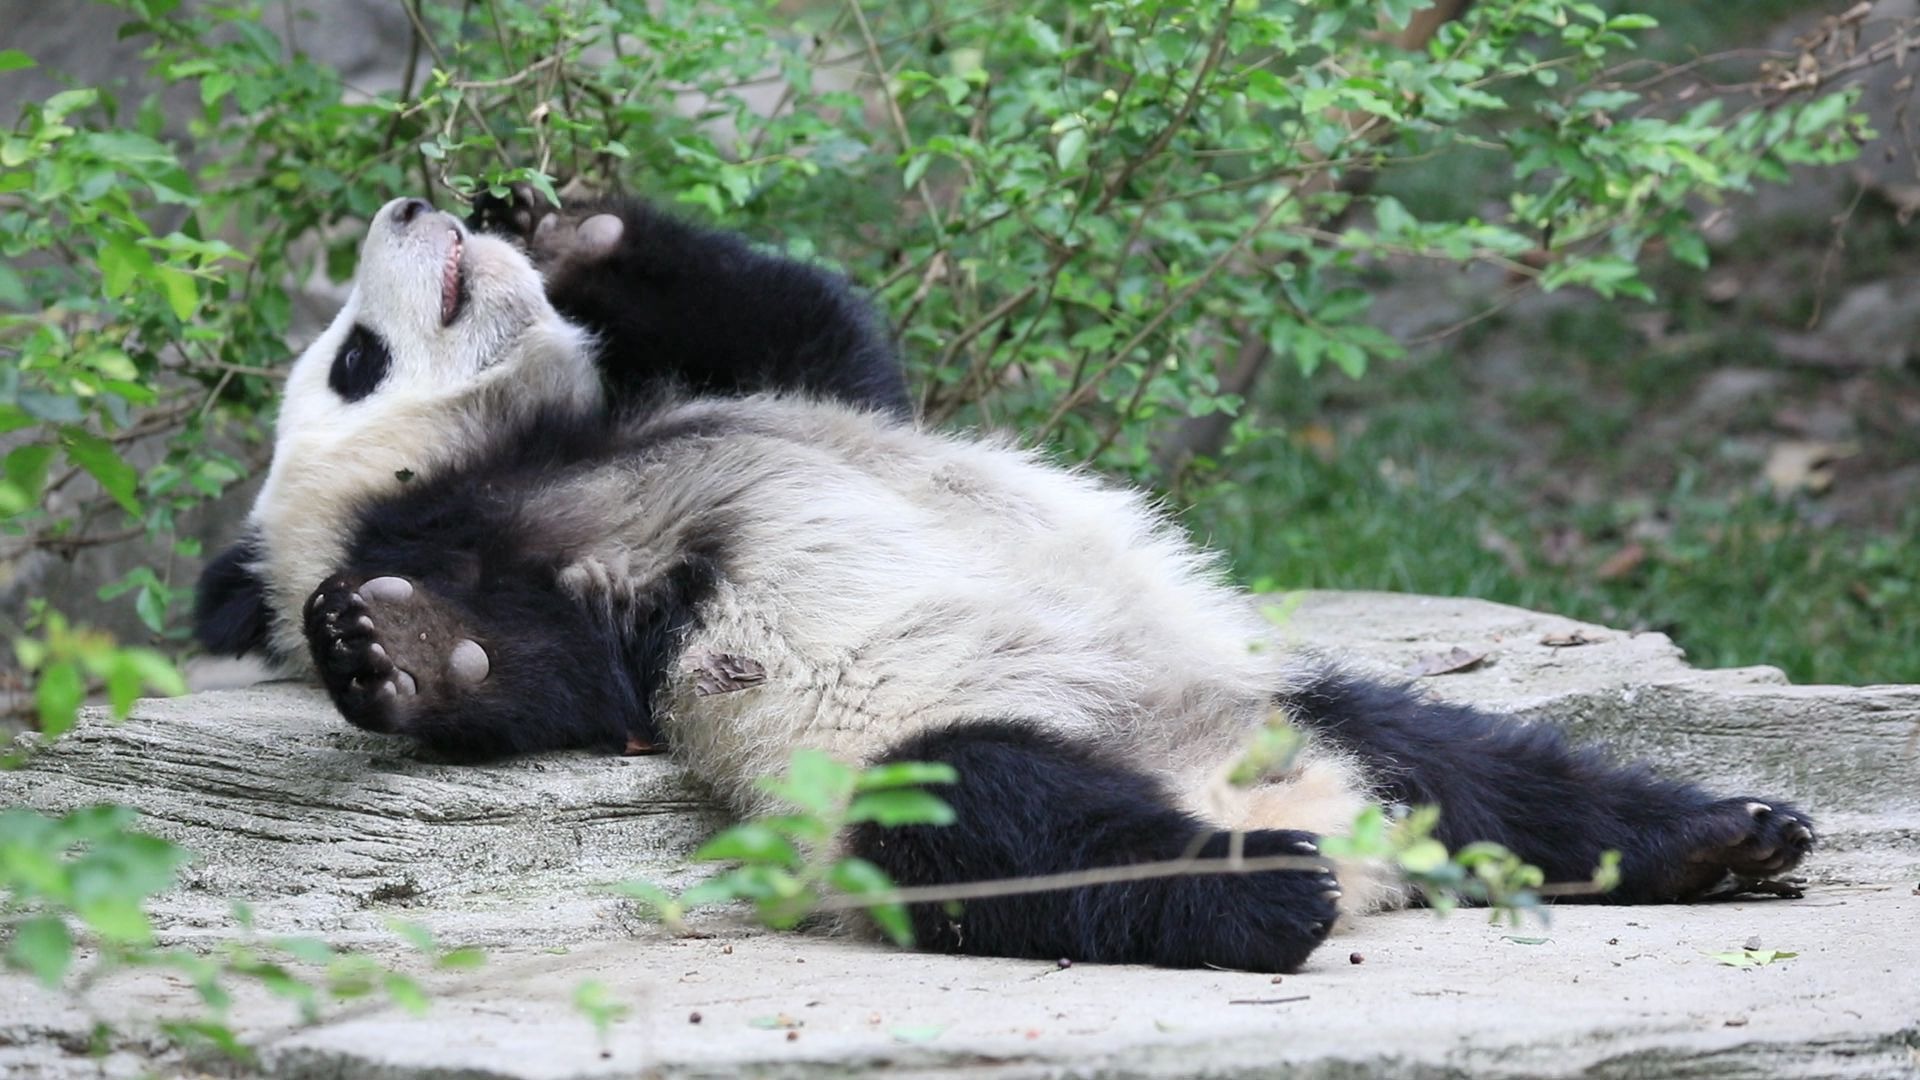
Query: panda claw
{"points": [[1755, 809], [405, 683], [1306, 847], [386, 692]]}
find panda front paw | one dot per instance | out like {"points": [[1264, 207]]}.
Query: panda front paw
{"points": [[385, 650], [553, 236], [514, 216], [1741, 845]]}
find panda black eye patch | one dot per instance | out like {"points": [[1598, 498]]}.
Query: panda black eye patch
{"points": [[360, 365]]}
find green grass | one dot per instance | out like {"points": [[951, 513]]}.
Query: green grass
{"points": [[1419, 501]]}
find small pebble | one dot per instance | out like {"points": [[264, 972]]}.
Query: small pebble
{"points": [[1753, 942], [1356, 958], [693, 1018], [1738, 1021], [728, 949], [1063, 963], [793, 1036], [1275, 980]]}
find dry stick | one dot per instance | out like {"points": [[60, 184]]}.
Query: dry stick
{"points": [[511, 80], [899, 119], [1834, 247], [786, 91], [440, 61], [1216, 49], [1114, 875]]}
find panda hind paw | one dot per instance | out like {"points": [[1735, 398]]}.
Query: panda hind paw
{"points": [[1743, 845]]}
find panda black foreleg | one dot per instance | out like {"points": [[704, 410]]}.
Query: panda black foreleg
{"points": [[513, 668], [1558, 807], [675, 304], [1032, 804]]}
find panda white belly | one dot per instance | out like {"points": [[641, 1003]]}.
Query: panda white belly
{"points": [[887, 582]]}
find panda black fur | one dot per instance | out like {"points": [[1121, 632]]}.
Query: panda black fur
{"points": [[737, 576]]}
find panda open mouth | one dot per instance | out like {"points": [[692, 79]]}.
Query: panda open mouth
{"points": [[453, 282]]}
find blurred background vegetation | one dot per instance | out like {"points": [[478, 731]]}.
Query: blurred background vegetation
{"points": [[1593, 307]]}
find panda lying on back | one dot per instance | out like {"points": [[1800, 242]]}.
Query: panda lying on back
{"points": [[478, 548]]}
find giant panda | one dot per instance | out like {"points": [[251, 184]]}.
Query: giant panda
{"points": [[477, 549]]}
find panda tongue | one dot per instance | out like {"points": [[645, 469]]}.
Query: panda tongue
{"points": [[450, 283]]}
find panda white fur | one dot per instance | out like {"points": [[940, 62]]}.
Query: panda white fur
{"points": [[476, 546]]}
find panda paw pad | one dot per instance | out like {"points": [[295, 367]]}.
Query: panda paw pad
{"points": [[551, 235], [1744, 845], [382, 647]]}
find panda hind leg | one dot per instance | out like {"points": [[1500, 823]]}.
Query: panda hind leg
{"points": [[473, 676], [1557, 806], [1029, 804]]}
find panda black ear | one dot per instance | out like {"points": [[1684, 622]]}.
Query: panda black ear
{"points": [[230, 616]]}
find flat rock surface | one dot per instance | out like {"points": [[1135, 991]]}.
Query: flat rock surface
{"points": [[329, 831]]}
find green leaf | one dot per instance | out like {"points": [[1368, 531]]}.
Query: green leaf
{"points": [[13, 290], [183, 293], [1751, 958], [462, 959], [15, 60], [43, 948], [906, 806], [98, 458], [405, 993], [1424, 857], [122, 262], [116, 918], [1071, 148], [858, 877], [58, 696], [215, 1034], [751, 842], [906, 774]]}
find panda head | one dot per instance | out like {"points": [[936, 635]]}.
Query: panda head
{"points": [[442, 324], [446, 343]]}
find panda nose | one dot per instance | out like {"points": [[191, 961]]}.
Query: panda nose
{"points": [[409, 209]]}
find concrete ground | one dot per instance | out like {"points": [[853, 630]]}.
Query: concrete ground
{"points": [[1609, 992], [332, 832]]}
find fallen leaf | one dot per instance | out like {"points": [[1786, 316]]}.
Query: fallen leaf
{"points": [[917, 1034], [1451, 662], [1804, 465], [1622, 563], [1751, 958], [1571, 639], [1526, 940], [769, 1023]]}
